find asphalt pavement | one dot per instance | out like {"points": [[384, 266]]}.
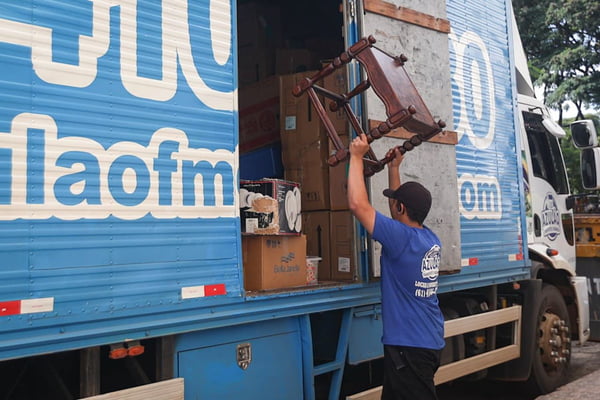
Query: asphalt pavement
{"points": [[584, 382], [586, 388]]}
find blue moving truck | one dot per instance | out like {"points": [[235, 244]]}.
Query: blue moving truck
{"points": [[121, 243]]}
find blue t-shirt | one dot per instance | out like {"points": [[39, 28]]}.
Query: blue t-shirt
{"points": [[410, 260]]}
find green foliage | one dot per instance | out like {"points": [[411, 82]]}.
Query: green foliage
{"points": [[562, 41]]}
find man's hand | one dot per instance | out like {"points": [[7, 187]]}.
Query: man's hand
{"points": [[359, 146], [397, 160]]}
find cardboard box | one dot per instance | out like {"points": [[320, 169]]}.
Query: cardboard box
{"points": [[290, 61], [337, 83], [306, 145], [315, 225], [308, 166], [259, 34], [255, 65], [323, 187], [273, 262], [338, 187], [338, 181], [259, 114], [301, 126], [270, 207], [343, 261], [315, 185], [330, 235], [299, 123]]}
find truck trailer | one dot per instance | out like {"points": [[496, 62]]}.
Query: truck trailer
{"points": [[127, 128]]}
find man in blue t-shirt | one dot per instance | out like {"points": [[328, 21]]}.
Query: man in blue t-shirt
{"points": [[413, 325]]}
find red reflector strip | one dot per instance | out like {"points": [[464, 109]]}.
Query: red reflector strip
{"points": [[10, 307], [465, 262], [27, 306], [215, 290], [192, 292], [515, 257]]}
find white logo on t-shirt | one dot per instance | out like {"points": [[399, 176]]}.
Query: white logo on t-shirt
{"points": [[430, 265]]}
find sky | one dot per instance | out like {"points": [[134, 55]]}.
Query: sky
{"points": [[571, 112]]}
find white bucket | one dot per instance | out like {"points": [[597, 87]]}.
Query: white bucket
{"points": [[312, 270]]}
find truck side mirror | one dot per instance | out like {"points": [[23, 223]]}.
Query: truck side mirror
{"points": [[583, 134], [590, 167]]}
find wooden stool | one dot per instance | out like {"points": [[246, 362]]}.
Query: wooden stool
{"points": [[390, 82]]}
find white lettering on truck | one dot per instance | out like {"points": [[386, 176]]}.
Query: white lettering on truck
{"points": [[176, 46], [46, 173], [471, 80], [480, 197], [51, 176]]}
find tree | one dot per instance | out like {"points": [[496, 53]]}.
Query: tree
{"points": [[562, 41]]}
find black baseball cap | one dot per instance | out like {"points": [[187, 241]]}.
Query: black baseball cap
{"points": [[413, 195]]}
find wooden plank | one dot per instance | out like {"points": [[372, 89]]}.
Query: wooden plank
{"points": [[476, 363], [444, 137], [407, 15], [456, 369], [371, 394], [471, 323], [165, 390]]}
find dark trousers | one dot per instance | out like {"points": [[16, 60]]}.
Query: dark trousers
{"points": [[408, 373]]}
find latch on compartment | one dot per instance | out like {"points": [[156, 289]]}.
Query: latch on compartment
{"points": [[244, 355]]}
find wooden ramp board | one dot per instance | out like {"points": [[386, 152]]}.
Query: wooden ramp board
{"points": [[165, 390]]}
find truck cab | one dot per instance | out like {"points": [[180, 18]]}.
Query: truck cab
{"points": [[550, 228]]}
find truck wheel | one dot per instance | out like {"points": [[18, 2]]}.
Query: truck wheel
{"points": [[552, 351]]}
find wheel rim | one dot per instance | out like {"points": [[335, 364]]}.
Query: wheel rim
{"points": [[555, 342]]}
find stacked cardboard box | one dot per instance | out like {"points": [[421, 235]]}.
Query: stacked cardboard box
{"points": [[259, 34], [259, 114], [306, 146], [330, 235], [327, 223], [274, 251], [271, 58], [270, 207], [274, 262]]}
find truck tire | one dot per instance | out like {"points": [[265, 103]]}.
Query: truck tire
{"points": [[552, 348]]}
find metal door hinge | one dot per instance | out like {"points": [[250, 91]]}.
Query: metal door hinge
{"points": [[244, 355]]}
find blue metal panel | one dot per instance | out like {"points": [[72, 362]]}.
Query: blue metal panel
{"points": [[118, 154], [491, 199], [365, 335], [207, 361]]}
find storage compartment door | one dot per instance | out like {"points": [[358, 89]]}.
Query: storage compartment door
{"points": [[273, 368]]}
